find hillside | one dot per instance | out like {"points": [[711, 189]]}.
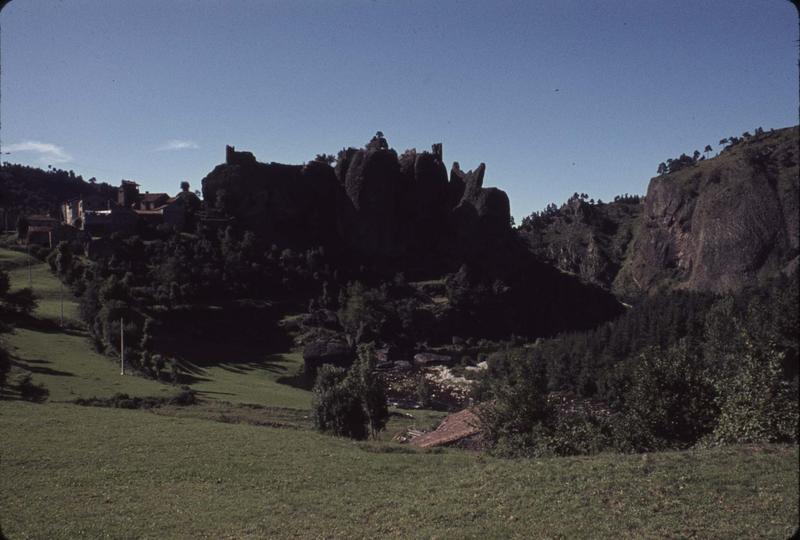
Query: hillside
{"points": [[138, 474], [29, 190], [218, 469], [721, 224], [584, 238], [712, 225]]}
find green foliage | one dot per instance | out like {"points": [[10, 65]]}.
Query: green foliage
{"points": [[424, 390], [516, 414], [63, 258], [350, 404], [671, 395], [364, 382], [363, 312], [676, 370], [756, 404], [13, 306], [336, 408]]}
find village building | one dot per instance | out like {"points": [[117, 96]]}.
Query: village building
{"points": [[132, 209], [48, 231]]}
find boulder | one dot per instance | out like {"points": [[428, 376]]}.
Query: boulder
{"points": [[431, 359], [322, 351]]}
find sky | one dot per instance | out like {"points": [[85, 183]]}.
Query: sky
{"points": [[555, 96]]}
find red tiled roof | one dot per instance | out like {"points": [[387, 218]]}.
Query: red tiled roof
{"points": [[453, 428], [147, 197]]}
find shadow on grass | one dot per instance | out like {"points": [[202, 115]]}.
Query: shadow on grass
{"points": [[48, 326], [298, 380], [42, 370]]}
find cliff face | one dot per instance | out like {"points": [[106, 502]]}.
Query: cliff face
{"points": [[584, 239], [721, 224], [373, 203]]}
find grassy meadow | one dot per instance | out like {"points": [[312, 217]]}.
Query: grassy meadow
{"points": [[225, 469]]}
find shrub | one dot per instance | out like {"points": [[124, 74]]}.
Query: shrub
{"points": [[580, 433], [424, 390], [756, 404], [336, 408], [369, 388], [350, 404], [517, 413], [671, 395]]}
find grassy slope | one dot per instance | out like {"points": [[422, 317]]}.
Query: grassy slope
{"points": [[65, 363], [71, 471]]}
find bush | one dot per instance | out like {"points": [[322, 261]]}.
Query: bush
{"points": [[756, 404], [336, 408], [516, 414], [672, 396], [187, 396], [350, 404], [581, 433], [424, 390]]}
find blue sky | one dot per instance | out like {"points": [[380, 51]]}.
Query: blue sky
{"points": [[554, 96]]}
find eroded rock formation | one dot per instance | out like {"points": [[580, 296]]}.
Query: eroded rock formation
{"points": [[373, 203]]}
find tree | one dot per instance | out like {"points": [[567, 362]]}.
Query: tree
{"points": [[12, 306], [756, 404], [662, 169], [707, 150], [325, 158], [22, 227], [185, 186], [362, 312], [63, 258], [671, 395], [515, 413], [364, 383]]}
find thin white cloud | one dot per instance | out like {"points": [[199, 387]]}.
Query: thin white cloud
{"points": [[48, 153], [177, 144]]}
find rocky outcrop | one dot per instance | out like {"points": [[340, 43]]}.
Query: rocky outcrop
{"points": [[721, 224], [374, 203], [479, 215], [288, 204], [583, 238], [372, 184]]}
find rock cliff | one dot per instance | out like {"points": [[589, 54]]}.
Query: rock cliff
{"points": [[374, 203], [587, 239], [721, 224]]}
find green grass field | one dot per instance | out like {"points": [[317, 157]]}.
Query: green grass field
{"points": [[217, 470], [82, 472]]}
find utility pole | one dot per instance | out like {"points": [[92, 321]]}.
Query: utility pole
{"points": [[62, 304], [30, 273], [122, 346]]}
